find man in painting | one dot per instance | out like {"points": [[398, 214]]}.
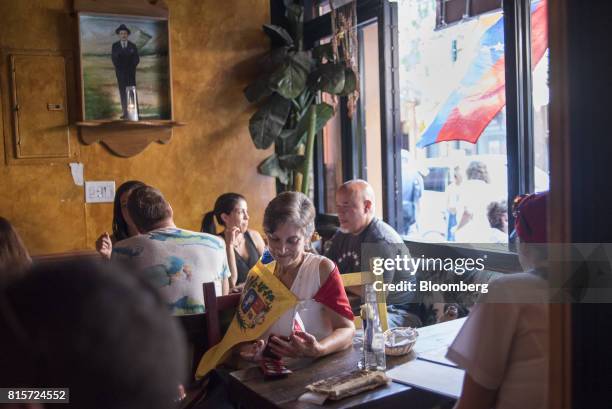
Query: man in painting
{"points": [[125, 59]]}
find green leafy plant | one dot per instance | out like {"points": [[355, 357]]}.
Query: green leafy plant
{"points": [[289, 115]]}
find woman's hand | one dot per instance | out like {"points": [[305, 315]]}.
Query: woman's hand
{"points": [[231, 235], [104, 246], [237, 288], [252, 351], [300, 344]]}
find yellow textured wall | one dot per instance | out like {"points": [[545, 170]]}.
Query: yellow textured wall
{"points": [[214, 49]]}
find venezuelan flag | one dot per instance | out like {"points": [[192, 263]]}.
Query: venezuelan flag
{"points": [[481, 94]]}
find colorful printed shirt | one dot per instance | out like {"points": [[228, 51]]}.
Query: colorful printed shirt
{"points": [[177, 262]]}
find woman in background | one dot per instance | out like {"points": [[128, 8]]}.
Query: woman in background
{"points": [[244, 247], [122, 223], [475, 195], [497, 213], [14, 257]]}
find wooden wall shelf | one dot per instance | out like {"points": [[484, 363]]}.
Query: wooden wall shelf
{"points": [[130, 124], [127, 138]]}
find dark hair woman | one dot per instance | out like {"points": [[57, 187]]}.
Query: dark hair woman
{"points": [[14, 257], [122, 223], [243, 246]]}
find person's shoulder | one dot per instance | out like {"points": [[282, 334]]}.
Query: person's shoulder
{"points": [[131, 241], [381, 232], [256, 237], [132, 247], [337, 238], [326, 267], [525, 287], [199, 236], [519, 279]]}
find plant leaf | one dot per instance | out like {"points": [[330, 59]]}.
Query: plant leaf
{"points": [[281, 145], [271, 167], [267, 123], [350, 82], [271, 61], [328, 78], [289, 80], [295, 15], [291, 161], [296, 138], [258, 89], [278, 34]]}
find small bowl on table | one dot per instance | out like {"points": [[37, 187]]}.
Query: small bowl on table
{"points": [[400, 340]]}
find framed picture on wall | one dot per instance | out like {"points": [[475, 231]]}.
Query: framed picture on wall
{"points": [[120, 54]]}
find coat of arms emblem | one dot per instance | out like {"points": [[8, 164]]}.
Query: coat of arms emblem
{"points": [[256, 301]]}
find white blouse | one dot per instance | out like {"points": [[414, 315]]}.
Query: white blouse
{"points": [[308, 313]]}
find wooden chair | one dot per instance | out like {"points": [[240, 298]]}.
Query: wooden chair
{"points": [[214, 306], [358, 280], [203, 332]]}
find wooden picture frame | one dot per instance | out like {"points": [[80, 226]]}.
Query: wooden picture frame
{"points": [[122, 137], [117, 51]]}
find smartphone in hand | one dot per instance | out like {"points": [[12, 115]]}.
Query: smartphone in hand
{"points": [[272, 365], [268, 353]]}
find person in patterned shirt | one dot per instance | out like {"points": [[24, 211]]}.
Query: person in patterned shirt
{"points": [[174, 260]]}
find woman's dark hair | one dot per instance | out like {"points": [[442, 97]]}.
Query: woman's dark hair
{"points": [[290, 207], [14, 257], [223, 205], [120, 227], [495, 212]]}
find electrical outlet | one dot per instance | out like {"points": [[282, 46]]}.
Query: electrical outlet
{"points": [[100, 192]]}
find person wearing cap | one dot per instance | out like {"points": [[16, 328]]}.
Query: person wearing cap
{"points": [[125, 59], [503, 345]]}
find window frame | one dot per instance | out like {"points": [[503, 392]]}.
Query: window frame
{"points": [[519, 114], [519, 130]]}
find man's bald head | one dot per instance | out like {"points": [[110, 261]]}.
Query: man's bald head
{"points": [[361, 188], [355, 203]]}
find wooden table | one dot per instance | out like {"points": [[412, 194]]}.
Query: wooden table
{"points": [[249, 388]]}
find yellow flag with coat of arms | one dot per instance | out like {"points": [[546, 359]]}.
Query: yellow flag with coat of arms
{"points": [[264, 299]]}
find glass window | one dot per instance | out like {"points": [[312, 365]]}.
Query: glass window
{"points": [[332, 157], [366, 128], [452, 95], [540, 94], [370, 110], [324, 6]]}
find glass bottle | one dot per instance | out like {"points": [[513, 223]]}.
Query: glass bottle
{"points": [[131, 104], [373, 349]]}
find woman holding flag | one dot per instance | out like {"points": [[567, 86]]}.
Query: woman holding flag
{"points": [[322, 321], [292, 299]]}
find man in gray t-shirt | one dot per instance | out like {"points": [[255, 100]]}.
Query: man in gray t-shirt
{"points": [[359, 228]]}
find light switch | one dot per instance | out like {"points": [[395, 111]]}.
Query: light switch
{"points": [[100, 192]]}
